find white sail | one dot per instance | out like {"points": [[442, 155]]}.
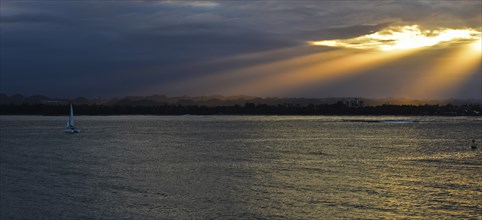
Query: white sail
{"points": [[70, 122], [71, 116]]}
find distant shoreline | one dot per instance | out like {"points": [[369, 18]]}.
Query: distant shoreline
{"points": [[337, 109], [450, 116]]}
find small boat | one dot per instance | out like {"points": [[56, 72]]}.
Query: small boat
{"points": [[473, 146], [70, 123]]}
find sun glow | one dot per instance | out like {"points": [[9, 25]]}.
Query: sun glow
{"points": [[441, 72], [477, 46], [402, 38]]}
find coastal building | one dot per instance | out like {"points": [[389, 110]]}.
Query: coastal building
{"points": [[353, 103]]}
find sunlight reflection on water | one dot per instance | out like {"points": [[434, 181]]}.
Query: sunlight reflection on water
{"points": [[200, 167]]}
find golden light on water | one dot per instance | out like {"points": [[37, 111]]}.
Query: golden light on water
{"points": [[402, 38]]}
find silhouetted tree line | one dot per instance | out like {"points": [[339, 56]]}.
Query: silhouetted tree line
{"points": [[246, 109]]}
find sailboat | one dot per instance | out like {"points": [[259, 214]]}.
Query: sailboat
{"points": [[70, 123]]}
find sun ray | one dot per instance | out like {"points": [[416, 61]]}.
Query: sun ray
{"points": [[321, 73], [271, 72], [444, 77], [221, 82]]}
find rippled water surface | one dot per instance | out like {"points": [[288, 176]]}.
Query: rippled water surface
{"points": [[225, 167]]}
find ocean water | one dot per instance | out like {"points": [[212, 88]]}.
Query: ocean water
{"points": [[240, 167]]}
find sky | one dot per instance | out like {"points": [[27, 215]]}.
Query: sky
{"points": [[418, 49]]}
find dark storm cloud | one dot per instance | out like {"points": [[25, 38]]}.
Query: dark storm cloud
{"points": [[342, 32], [33, 18], [91, 48]]}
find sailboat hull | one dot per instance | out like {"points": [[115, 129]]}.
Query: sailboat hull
{"points": [[71, 131]]}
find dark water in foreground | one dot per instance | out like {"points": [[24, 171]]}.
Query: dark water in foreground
{"points": [[224, 167]]}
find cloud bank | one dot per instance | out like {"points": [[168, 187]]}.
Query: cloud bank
{"points": [[111, 48]]}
